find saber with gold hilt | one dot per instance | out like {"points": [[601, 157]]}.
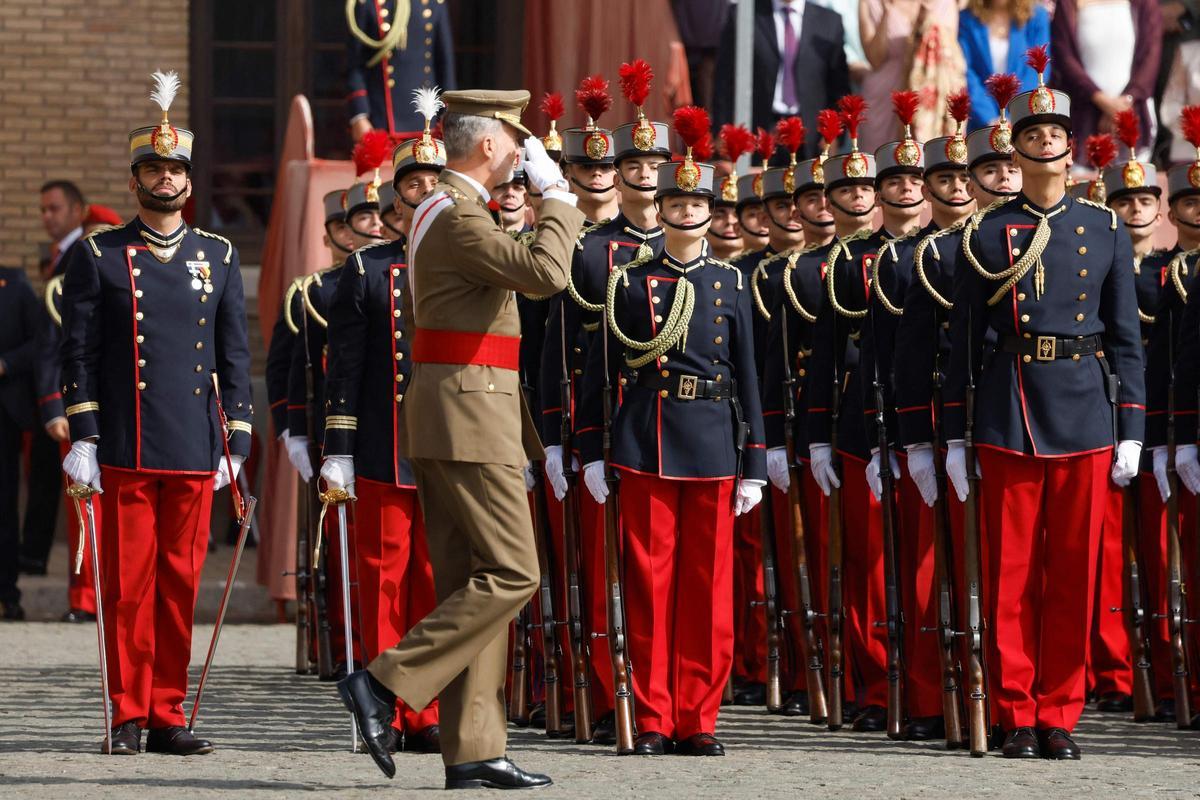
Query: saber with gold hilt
{"points": [[81, 494], [339, 497], [243, 510]]}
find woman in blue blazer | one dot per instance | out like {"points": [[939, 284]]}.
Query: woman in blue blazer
{"points": [[1029, 26]]}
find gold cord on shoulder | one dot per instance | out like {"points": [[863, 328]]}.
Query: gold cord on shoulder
{"points": [[287, 305], [838, 247], [675, 327], [395, 37], [790, 290], [760, 273], [53, 290]]}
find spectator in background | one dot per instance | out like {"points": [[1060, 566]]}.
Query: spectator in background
{"points": [[1094, 44], [63, 209], [994, 35], [1182, 89], [700, 25], [856, 59], [799, 65], [909, 44]]}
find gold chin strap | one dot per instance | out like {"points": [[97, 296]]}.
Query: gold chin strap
{"points": [[395, 38]]}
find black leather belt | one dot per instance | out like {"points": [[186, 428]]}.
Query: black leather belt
{"points": [[1049, 348], [685, 387]]}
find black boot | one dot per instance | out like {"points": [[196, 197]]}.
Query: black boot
{"points": [[373, 706]]}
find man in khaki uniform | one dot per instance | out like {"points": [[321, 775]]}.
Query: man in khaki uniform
{"points": [[469, 439]]}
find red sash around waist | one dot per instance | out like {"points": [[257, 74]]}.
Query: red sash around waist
{"points": [[431, 346]]}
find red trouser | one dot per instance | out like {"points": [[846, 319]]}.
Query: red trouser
{"points": [[151, 561], [1154, 561], [395, 579], [919, 598], [595, 613], [1044, 517], [863, 584], [1110, 665], [678, 552], [81, 593], [749, 617]]}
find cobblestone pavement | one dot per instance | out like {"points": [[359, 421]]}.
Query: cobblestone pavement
{"points": [[280, 735]]}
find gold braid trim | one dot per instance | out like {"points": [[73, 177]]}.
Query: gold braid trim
{"points": [[574, 294], [831, 270], [586, 229], [875, 286], [396, 37], [674, 330], [919, 261], [1032, 256], [1112, 215], [308, 306], [228, 244], [1178, 269], [54, 289], [287, 305], [760, 273], [790, 290], [1143, 317], [91, 237]]}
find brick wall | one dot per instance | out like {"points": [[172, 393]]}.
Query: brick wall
{"points": [[74, 79]]}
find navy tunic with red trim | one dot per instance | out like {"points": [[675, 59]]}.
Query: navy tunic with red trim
{"points": [[310, 351], [923, 336], [597, 253], [23, 327], [655, 432], [279, 360], [894, 267], [798, 311], [383, 91], [140, 338], [1177, 321], [369, 364], [835, 356], [1054, 407]]}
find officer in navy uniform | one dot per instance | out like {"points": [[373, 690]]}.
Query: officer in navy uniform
{"points": [[393, 47], [1059, 414], [1170, 335], [687, 441], [22, 329], [150, 309], [637, 150]]}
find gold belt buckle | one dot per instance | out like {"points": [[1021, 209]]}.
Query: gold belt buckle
{"points": [[1047, 348], [687, 387]]}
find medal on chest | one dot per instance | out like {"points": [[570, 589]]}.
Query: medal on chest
{"points": [[201, 274]]}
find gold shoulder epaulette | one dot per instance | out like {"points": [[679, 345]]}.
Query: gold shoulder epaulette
{"points": [[287, 304], [1112, 215], [454, 194], [726, 265], [91, 237], [219, 238], [53, 290]]}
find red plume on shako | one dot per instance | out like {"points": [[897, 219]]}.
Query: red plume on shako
{"points": [[635, 85], [959, 107], [552, 107], [905, 104], [853, 110], [735, 142], [1003, 88], [593, 97], [692, 125], [790, 132]]}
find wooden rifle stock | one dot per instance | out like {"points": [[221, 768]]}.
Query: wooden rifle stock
{"points": [[547, 619], [977, 726], [891, 573], [1135, 614], [1176, 608], [771, 605], [518, 698], [835, 612]]}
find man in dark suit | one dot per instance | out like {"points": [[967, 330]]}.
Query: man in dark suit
{"points": [[799, 65]]}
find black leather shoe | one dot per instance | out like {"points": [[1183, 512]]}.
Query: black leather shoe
{"points": [[924, 729], [700, 744], [373, 706], [126, 740], [78, 615], [1115, 703], [426, 740], [752, 694], [1057, 744], [395, 741], [537, 716], [1165, 711], [651, 744], [12, 612], [566, 728], [1021, 743], [176, 740], [795, 706], [499, 773], [871, 719], [605, 730]]}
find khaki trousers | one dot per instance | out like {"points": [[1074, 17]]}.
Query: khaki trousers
{"points": [[485, 569]]}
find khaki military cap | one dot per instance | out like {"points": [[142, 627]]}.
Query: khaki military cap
{"points": [[504, 106]]}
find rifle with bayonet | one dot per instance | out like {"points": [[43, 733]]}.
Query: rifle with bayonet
{"points": [[976, 683], [314, 575], [1176, 605]]}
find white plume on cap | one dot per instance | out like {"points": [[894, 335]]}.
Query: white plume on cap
{"points": [[428, 102], [166, 86]]}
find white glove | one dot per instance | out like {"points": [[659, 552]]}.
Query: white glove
{"points": [[956, 468], [338, 472], [554, 470], [1187, 468], [749, 493], [81, 464], [821, 462], [1125, 465], [283, 437], [527, 471], [920, 467], [593, 478], [297, 450], [872, 470], [777, 468], [539, 168], [1158, 455], [222, 479]]}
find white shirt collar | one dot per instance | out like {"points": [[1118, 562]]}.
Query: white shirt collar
{"points": [[779, 5], [69, 239], [476, 185]]}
